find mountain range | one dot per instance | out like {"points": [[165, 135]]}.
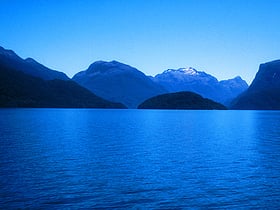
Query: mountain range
{"points": [[189, 79], [27, 83], [118, 82]]}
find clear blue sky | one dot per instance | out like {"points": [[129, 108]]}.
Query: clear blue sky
{"points": [[222, 37]]}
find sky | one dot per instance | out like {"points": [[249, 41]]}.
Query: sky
{"points": [[224, 38]]}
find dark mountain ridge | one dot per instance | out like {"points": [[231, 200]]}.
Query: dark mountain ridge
{"points": [[10, 59]]}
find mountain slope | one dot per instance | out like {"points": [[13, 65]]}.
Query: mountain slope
{"points": [[11, 60], [264, 92], [18, 89], [189, 79], [231, 88], [180, 100], [116, 81]]}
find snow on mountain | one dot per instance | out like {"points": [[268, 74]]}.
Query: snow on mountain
{"points": [[189, 79]]}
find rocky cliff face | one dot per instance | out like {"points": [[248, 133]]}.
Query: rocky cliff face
{"points": [[264, 92], [267, 77]]}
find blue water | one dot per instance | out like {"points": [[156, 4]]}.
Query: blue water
{"points": [[102, 159]]}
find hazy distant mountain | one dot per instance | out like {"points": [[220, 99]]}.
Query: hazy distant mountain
{"points": [[10, 59], [18, 89], [189, 79], [180, 100], [118, 82], [231, 88], [264, 92]]}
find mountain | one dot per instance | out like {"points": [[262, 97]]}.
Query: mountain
{"points": [[264, 92], [231, 88], [10, 59], [118, 82], [18, 89], [180, 100], [189, 79]]}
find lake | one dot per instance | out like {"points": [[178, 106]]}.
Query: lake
{"points": [[156, 159]]}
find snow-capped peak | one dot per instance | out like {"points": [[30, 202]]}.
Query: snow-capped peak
{"points": [[188, 71]]}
